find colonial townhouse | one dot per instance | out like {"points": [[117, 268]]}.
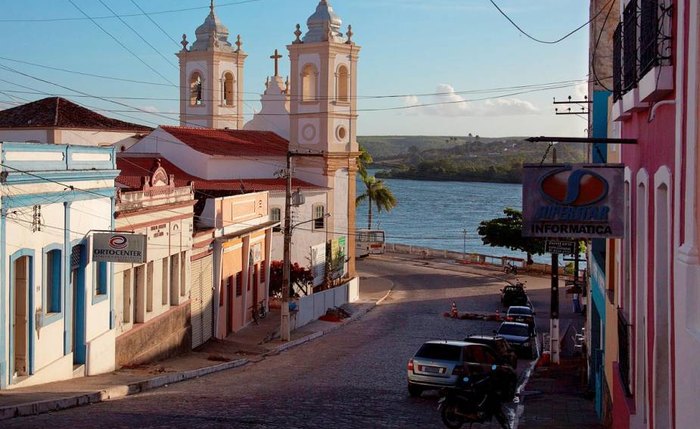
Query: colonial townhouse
{"points": [[56, 319], [152, 299]]}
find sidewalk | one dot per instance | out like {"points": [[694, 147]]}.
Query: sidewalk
{"points": [[553, 398], [250, 344]]}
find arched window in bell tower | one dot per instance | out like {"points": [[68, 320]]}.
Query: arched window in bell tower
{"points": [[196, 89], [342, 86], [309, 83], [228, 89]]}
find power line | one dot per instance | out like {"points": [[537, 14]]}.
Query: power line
{"points": [[169, 61], [119, 42], [548, 42], [357, 97], [155, 23], [127, 15]]}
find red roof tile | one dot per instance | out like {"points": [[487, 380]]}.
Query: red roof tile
{"points": [[134, 166], [230, 142], [61, 113]]}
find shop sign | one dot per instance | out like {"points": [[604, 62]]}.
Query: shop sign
{"points": [[119, 247], [573, 201]]}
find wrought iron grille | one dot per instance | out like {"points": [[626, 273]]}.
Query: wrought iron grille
{"points": [[623, 337], [649, 36], [75, 256], [629, 46], [617, 63]]}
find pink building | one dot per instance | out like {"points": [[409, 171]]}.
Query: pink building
{"points": [[654, 281]]}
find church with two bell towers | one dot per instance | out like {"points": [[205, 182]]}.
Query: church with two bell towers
{"points": [[313, 110]]}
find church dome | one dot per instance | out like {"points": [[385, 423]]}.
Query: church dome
{"points": [[212, 34], [323, 21]]}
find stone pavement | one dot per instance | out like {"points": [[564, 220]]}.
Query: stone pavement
{"points": [[552, 398], [251, 344]]}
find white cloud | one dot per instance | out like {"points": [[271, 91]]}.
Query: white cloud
{"points": [[446, 102]]}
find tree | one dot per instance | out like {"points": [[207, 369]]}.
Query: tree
{"points": [[376, 195], [507, 232], [363, 161], [299, 276]]}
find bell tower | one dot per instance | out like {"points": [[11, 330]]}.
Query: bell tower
{"points": [[211, 77], [323, 89]]}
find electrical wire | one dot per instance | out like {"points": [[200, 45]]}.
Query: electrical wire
{"points": [[147, 15], [128, 15], [119, 42], [169, 61], [595, 49], [548, 42]]}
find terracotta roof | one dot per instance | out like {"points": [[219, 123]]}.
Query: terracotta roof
{"points": [[230, 142], [61, 113], [134, 166]]}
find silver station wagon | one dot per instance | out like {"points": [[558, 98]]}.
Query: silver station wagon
{"points": [[440, 363]]}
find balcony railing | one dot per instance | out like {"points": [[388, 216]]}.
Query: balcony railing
{"points": [[624, 345], [629, 46], [654, 37], [617, 63]]}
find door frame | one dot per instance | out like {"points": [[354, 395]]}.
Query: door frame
{"points": [[30, 312]]}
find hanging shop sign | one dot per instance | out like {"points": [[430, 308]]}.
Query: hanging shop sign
{"points": [[119, 247], [573, 201]]}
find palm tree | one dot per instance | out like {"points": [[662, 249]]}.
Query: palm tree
{"points": [[377, 193]]}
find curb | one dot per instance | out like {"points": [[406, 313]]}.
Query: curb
{"points": [[113, 392], [121, 391]]}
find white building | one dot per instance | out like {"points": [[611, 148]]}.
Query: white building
{"points": [[55, 302], [316, 109]]}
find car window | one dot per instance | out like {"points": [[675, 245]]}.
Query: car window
{"points": [[439, 352], [510, 329]]}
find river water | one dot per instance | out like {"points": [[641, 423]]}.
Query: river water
{"points": [[435, 214]]}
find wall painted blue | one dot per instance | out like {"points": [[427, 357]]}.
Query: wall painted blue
{"points": [[598, 252], [79, 303]]}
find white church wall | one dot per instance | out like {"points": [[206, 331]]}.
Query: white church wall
{"points": [[162, 142], [303, 236], [309, 131], [243, 168]]}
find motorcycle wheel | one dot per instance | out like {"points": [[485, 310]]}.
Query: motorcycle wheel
{"points": [[450, 417]]}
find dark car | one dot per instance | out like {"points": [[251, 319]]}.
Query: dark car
{"points": [[514, 295], [503, 350], [522, 314], [439, 364], [521, 337]]}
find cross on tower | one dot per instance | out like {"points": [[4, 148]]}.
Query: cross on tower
{"points": [[276, 57]]}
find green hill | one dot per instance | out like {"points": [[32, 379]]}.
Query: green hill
{"points": [[470, 158]]}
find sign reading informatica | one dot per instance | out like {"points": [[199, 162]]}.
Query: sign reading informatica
{"points": [[573, 201], [119, 247]]}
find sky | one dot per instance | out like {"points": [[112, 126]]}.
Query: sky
{"points": [[427, 67]]}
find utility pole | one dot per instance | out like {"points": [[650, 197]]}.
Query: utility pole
{"points": [[554, 297], [285, 333]]}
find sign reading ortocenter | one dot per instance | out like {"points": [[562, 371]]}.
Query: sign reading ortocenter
{"points": [[573, 201], [119, 247]]}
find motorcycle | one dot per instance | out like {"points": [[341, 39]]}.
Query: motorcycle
{"points": [[472, 400]]}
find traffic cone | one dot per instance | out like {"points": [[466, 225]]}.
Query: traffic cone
{"points": [[453, 310]]}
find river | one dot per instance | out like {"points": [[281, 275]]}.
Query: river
{"points": [[435, 214]]}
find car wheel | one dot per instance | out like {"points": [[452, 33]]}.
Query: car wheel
{"points": [[414, 390]]}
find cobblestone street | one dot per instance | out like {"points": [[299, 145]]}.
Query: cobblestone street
{"points": [[353, 377]]}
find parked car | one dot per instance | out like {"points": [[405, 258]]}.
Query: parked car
{"points": [[440, 363], [514, 295], [503, 350], [521, 336], [521, 313]]}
